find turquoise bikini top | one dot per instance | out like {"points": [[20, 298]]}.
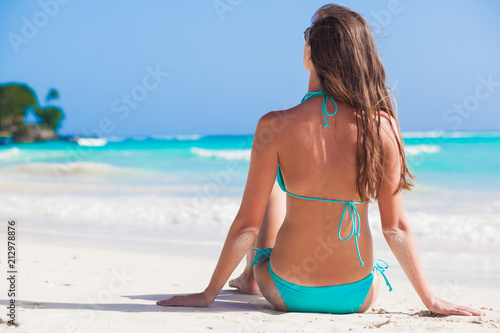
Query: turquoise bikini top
{"points": [[349, 205]]}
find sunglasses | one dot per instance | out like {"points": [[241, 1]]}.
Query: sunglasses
{"points": [[306, 33]]}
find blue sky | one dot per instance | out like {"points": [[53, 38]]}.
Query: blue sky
{"points": [[214, 67]]}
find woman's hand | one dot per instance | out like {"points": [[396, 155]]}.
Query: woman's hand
{"points": [[448, 308], [193, 300]]}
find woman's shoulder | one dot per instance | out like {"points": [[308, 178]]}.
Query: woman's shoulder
{"points": [[276, 127], [279, 118], [389, 131]]}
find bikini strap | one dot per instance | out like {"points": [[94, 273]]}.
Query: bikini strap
{"points": [[325, 99], [349, 206], [355, 225], [266, 253], [382, 269], [279, 179]]}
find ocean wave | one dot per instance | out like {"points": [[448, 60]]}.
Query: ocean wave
{"points": [[116, 138], [187, 137], [117, 214], [422, 149], [124, 211], [140, 137], [226, 154], [92, 142], [7, 154], [244, 154], [423, 135], [470, 228], [193, 137], [456, 227], [27, 155], [447, 135], [40, 170]]}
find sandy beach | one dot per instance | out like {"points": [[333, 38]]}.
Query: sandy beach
{"points": [[89, 285]]}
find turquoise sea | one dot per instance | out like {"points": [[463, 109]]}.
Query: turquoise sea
{"points": [[458, 160], [158, 183]]}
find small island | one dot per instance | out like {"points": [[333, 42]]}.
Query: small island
{"points": [[22, 119]]}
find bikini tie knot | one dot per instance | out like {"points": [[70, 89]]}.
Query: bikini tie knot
{"points": [[355, 225], [381, 268], [261, 255], [325, 99]]}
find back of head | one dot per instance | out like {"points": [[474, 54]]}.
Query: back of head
{"points": [[349, 68], [345, 57]]}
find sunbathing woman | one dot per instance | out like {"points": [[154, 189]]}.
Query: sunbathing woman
{"points": [[331, 155]]}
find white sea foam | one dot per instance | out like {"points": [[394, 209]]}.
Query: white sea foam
{"points": [[123, 211], [244, 154], [92, 142], [188, 137], [56, 170], [226, 154], [468, 228], [185, 137], [421, 135], [115, 138], [455, 134], [116, 214], [7, 154], [420, 149], [140, 137], [26, 155], [486, 134]]}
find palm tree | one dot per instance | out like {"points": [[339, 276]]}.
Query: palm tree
{"points": [[53, 94]]}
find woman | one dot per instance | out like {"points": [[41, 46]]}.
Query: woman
{"points": [[331, 154]]}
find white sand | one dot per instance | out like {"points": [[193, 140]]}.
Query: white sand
{"points": [[67, 286]]}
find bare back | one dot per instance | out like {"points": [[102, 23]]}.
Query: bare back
{"points": [[318, 161]]}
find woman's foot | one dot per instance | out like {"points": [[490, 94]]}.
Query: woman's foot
{"points": [[245, 283]]}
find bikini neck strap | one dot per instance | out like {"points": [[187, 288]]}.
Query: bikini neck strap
{"points": [[325, 99]]}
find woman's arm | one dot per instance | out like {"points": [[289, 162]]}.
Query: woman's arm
{"points": [[398, 234], [244, 229]]}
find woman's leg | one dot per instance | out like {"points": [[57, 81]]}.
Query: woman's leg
{"points": [[258, 278]]}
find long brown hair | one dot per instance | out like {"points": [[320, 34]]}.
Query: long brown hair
{"points": [[349, 68]]}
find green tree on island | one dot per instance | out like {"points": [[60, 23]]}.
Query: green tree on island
{"points": [[18, 99], [52, 95]]}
